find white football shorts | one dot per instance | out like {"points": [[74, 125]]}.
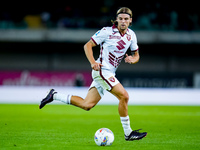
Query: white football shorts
{"points": [[103, 80]]}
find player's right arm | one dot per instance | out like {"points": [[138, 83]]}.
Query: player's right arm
{"points": [[89, 54]]}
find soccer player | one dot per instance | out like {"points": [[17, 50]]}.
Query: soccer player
{"points": [[114, 42]]}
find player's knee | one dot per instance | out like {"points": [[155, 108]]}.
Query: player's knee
{"points": [[125, 97]]}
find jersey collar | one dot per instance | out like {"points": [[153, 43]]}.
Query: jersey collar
{"points": [[114, 28]]}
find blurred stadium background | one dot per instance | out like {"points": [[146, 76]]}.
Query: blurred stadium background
{"points": [[41, 45]]}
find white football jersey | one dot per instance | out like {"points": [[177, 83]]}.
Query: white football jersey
{"points": [[113, 46]]}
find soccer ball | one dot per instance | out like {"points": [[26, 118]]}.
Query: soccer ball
{"points": [[104, 137]]}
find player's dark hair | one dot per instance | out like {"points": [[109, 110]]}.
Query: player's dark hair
{"points": [[122, 10], [114, 22]]}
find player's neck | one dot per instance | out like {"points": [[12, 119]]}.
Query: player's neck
{"points": [[122, 32]]}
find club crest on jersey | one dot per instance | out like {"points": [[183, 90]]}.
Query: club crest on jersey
{"points": [[128, 37], [112, 79]]}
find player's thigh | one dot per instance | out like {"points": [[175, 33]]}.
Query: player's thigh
{"points": [[119, 91], [92, 97]]}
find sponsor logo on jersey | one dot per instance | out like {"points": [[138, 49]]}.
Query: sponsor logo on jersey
{"points": [[116, 51], [120, 45], [114, 37]]}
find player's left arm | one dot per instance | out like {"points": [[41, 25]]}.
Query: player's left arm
{"points": [[134, 58]]}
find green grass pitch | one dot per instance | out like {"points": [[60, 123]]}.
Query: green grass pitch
{"points": [[60, 127]]}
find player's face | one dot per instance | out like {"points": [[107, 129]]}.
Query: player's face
{"points": [[123, 21]]}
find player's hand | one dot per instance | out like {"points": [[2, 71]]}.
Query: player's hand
{"points": [[131, 59], [96, 66]]}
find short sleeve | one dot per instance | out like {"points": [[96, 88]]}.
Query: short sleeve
{"points": [[99, 36], [134, 46]]}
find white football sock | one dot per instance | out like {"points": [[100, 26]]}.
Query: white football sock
{"points": [[62, 97], [126, 125]]}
